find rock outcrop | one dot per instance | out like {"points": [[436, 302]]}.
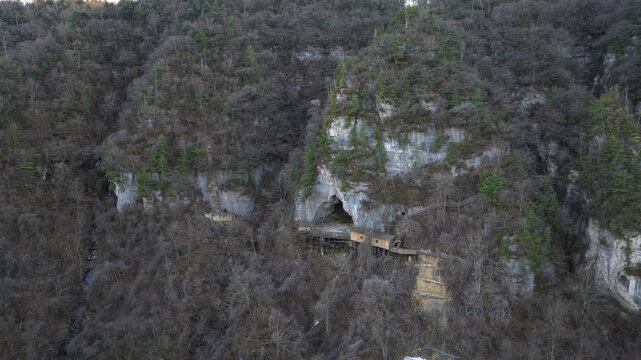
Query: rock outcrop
{"points": [[520, 279], [211, 185], [236, 202], [353, 201], [126, 191], [606, 257], [417, 150]]}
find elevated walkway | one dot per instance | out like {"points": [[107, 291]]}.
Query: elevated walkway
{"points": [[430, 289]]}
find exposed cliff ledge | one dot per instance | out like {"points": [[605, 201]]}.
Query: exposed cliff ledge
{"points": [[606, 257], [211, 186], [228, 200], [126, 191], [417, 150], [327, 186]]}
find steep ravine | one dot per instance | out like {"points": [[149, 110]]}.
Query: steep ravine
{"points": [[96, 196]]}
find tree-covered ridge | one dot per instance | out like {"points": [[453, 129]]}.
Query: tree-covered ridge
{"points": [[168, 88], [510, 73], [612, 164], [230, 86], [436, 71], [513, 74]]}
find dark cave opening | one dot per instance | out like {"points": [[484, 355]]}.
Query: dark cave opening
{"points": [[333, 212]]}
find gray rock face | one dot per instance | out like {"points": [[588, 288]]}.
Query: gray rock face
{"points": [[606, 257], [126, 191], [547, 151], [234, 202], [210, 186], [385, 110], [311, 54], [231, 201], [202, 180], [609, 60], [429, 105], [416, 152], [413, 153], [327, 186], [337, 53], [532, 98], [338, 131], [582, 55], [314, 54], [520, 279], [403, 157]]}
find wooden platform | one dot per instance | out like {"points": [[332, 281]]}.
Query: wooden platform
{"points": [[430, 289]]}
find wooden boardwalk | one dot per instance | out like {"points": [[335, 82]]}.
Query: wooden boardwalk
{"points": [[430, 289]]}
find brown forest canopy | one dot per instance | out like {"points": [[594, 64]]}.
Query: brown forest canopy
{"points": [[90, 90]]}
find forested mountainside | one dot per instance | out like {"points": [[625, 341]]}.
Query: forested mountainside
{"points": [[504, 133]]}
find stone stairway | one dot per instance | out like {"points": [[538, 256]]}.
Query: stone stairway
{"points": [[430, 288]]}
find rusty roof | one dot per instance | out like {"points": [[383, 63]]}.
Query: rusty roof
{"points": [[374, 234]]}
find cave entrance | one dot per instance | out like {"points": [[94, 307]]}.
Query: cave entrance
{"points": [[333, 212]]}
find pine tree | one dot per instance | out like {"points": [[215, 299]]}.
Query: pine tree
{"points": [[380, 156], [145, 183], [309, 166], [323, 143], [160, 158], [448, 50], [455, 99], [355, 104], [611, 170], [477, 99], [250, 56], [490, 185], [399, 49], [340, 81], [535, 242]]}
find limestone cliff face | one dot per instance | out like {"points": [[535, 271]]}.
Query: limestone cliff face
{"points": [[211, 186], [418, 150], [231, 201], [606, 258], [312, 54], [327, 186], [548, 151], [126, 191], [520, 279]]}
